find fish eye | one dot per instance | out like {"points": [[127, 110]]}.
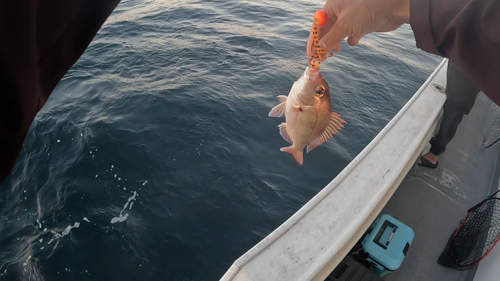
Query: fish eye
{"points": [[320, 91]]}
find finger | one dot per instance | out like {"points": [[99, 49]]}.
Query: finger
{"points": [[353, 40], [332, 40], [310, 44]]}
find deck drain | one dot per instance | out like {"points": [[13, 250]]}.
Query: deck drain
{"points": [[438, 88]]}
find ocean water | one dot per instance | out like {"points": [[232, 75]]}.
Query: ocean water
{"points": [[154, 158]]}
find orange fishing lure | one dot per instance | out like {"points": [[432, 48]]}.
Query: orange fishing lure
{"points": [[320, 19]]}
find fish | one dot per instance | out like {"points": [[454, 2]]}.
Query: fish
{"points": [[309, 120]]}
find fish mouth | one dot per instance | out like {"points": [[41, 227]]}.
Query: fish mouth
{"points": [[311, 73]]}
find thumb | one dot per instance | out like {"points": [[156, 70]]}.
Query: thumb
{"points": [[332, 40]]}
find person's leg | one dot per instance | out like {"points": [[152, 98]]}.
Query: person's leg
{"points": [[461, 95], [449, 125]]}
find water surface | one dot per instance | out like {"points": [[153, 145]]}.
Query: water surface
{"points": [[154, 158]]}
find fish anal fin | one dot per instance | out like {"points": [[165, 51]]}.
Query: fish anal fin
{"points": [[333, 127], [317, 142], [284, 133]]}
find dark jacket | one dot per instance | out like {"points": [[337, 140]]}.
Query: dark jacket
{"points": [[465, 31], [39, 42]]}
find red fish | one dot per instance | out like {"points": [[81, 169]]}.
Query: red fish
{"points": [[308, 113]]}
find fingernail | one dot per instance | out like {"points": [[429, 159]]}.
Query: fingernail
{"points": [[323, 45]]}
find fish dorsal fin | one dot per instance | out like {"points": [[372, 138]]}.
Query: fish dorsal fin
{"points": [[284, 133], [333, 127], [279, 110]]}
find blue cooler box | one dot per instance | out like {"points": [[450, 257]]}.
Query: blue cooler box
{"points": [[387, 244]]}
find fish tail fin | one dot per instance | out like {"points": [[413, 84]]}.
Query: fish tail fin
{"points": [[297, 154]]}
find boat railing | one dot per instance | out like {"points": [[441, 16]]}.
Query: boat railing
{"points": [[311, 243]]}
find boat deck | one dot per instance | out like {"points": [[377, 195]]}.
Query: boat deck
{"points": [[433, 201]]}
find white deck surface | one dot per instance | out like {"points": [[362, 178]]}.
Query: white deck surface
{"points": [[433, 201]]}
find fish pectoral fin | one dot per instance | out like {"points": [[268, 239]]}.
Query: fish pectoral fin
{"points": [[284, 133], [278, 110], [333, 127], [282, 98]]}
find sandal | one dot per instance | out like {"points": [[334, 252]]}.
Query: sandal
{"points": [[426, 163]]}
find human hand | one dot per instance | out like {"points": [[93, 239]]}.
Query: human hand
{"points": [[356, 18]]}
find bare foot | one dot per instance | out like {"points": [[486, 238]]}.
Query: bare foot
{"points": [[430, 157]]}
